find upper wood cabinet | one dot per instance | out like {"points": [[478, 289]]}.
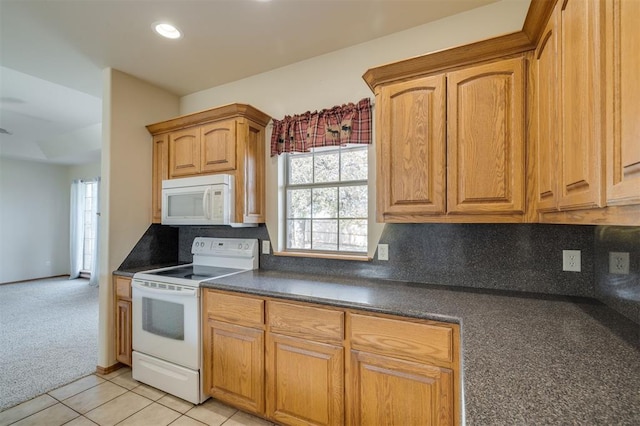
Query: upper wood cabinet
{"points": [[411, 121], [218, 147], [199, 150], [485, 138], [451, 147], [228, 139], [623, 101], [544, 117], [541, 125], [160, 172], [184, 152], [586, 104], [581, 112]]}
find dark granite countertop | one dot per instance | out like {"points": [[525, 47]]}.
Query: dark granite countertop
{"points": [[526, 359]]}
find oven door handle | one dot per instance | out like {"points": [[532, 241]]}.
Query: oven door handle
{"points": [[185, 293]]}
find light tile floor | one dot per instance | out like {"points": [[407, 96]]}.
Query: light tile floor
{"points": [[117, 399]]}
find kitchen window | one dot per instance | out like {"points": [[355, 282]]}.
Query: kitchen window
{"points": [[327, 200]]}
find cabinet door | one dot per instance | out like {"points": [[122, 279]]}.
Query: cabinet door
{"points": [[184, 152], [411, 148], [234, 365], [123, 331], [485, 140], [623, 136], [305, 381], [387, 391], [159, 173], [581, 114], [545, 118], [250, 190], [218, 147]]}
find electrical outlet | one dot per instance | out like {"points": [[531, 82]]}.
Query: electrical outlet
{"points": [[266, 247], [571, 260], [383, 251], [618, 262]]}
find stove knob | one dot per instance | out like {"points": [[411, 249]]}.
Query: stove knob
{"points": [[239, 246], [246, 246]]}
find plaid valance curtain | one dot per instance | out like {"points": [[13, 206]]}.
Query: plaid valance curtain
{"points": [[340, 125]]}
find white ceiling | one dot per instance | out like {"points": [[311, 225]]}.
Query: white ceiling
{"points": [[52, 53]]}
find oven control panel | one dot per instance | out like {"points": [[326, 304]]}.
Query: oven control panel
{"points": [[234, 247]]}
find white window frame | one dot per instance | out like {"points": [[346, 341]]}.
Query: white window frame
{"points": [[90, 208], [333, 184]]}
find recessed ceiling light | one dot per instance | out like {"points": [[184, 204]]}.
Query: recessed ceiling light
{"points": [[167, 30]]}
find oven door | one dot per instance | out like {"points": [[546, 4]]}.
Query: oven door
{"points": [[166, 322]]}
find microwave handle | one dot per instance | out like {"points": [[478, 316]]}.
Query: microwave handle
{"points": [[205, 203]]}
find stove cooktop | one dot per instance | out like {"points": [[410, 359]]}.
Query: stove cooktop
{"points": [[195, 272], [212, 258]]}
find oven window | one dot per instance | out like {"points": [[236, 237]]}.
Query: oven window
{"points": [[163, 318]]}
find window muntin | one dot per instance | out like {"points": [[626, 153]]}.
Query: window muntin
{"points": [[327, 200]]}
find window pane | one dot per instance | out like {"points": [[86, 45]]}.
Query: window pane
{"points": [[353, 235], [327, 167], [353, 201], [354, 165], [325, 235], [300, 169], [299, 203], [299, 234], [325, 203]]}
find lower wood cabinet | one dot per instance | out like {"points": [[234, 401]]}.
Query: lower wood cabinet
{"points": [[305, 381], [388, 391], [122, 291], [303, 364], [235, 365], [233, 346], [401, 372]]}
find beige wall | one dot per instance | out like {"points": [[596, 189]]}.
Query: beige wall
{"points": [[128, 105], [336, 78]]}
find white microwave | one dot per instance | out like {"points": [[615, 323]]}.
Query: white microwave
{"points": [[200, 200]]}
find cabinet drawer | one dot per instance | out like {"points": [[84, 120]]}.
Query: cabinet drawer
{"points": [[401, 339], [237, 309], [123, 287], [305, 321]]}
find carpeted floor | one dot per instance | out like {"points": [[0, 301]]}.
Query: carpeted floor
{"points": [[48, 336]]}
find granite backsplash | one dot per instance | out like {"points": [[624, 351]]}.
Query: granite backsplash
{"points": [[157, 246], [619, 291], [519, 257]]}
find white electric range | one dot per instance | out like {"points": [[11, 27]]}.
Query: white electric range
{"points": [[167, 353]]}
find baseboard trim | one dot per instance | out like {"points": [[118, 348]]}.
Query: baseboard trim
{"points": [[35, 279], [109, 369]]}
